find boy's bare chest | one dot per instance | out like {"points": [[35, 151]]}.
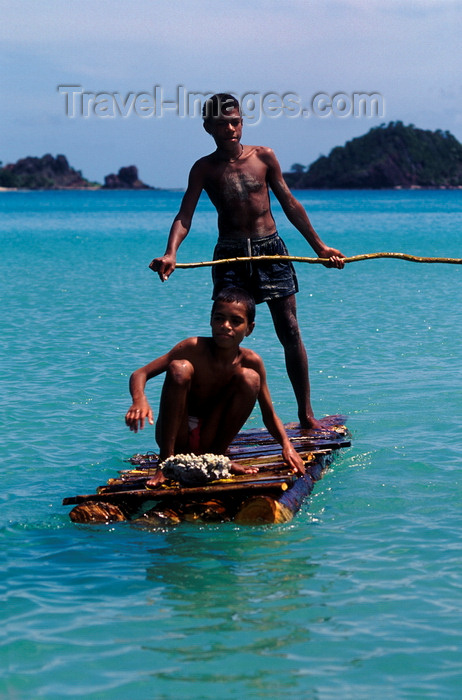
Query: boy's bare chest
{"points": [[212, 378], [234, 184], [239, 185]]}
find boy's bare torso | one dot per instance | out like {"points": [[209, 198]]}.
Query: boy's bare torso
{"points": [[212, 371], [239, 191]]}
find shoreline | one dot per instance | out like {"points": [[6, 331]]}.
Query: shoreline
{"points": [[399, 188], [90, 189]]}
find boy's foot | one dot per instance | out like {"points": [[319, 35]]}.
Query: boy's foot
{"points": [[155, 480], [311, 423]]}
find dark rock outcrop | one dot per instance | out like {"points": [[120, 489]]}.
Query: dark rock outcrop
{"points": [[49, 173], [126, 179], [46, 173]]}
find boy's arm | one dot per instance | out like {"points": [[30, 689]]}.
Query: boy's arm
{"points": [[140, 408], [165, 265], [274, 425], [296, 213]]}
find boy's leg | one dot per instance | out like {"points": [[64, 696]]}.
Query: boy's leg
{"points": [[284, 314], [228, 416], [172, 422]]}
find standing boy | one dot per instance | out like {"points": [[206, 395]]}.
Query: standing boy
{"points": [[210, 388], [237, 179]]}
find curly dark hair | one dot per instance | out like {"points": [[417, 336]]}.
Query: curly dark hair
{"points": [[241, 296], [219, 104]]}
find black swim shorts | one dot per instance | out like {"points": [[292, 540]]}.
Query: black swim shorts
{"points": [[264, 280]]}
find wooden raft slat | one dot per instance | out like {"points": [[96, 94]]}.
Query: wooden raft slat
{"points": [[273, 495]]}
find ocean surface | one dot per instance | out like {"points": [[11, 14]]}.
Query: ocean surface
{"points": [[360, 596]]}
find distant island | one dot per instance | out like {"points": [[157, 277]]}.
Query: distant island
{"points": [[49, 173], [387, 157], [390, 156]]}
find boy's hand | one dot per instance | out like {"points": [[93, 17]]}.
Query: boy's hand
{"points": [[334, 255], [241, 469], [293, 459], [136, 415], [164, 266]]}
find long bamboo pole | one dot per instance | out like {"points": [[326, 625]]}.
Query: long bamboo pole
{"points": [[295, 258]]}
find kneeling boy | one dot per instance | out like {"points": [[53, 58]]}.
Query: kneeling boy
{"points": [[210, 388]]}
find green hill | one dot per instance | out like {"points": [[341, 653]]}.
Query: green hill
{"points": [[386, 157]]}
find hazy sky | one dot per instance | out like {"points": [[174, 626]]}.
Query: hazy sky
{"points": [[292, 57]]}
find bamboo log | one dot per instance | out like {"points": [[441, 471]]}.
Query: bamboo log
{"points": [[281, 509], [322, 261], [190, 491], [159, 517], [263, 510], [99, 512]]}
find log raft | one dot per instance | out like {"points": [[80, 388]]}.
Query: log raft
{"points": [[273, 495]]}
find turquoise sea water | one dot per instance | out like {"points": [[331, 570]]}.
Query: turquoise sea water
{"points": [[361, 595]]}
